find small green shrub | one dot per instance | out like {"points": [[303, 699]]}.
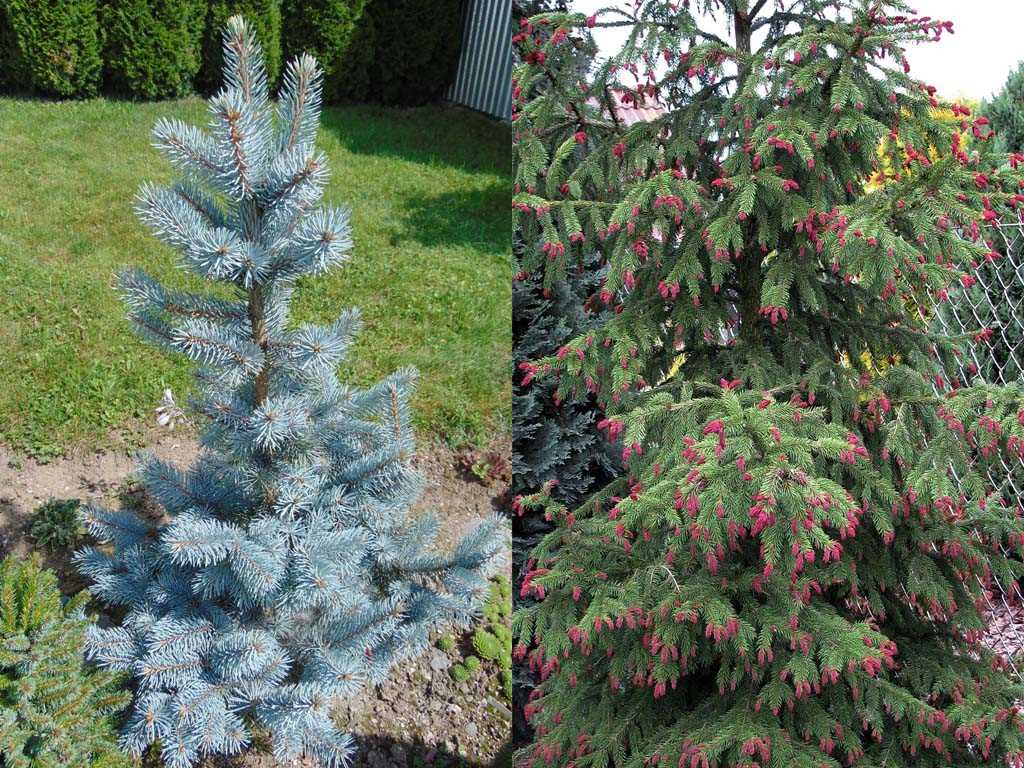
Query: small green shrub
{"points": [[152, 50], [55, 524], [54, 713], [446, 643], [499, 603], [487, 645], [264, 16], [51, 46], [491, 639]]}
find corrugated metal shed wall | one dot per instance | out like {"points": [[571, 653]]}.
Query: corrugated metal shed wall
{"points": [[484, 77]]}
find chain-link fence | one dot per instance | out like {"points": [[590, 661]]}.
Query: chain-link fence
{"points": [[996, 302]]}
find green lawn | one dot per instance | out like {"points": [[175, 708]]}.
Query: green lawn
{"points": [[431, 269]]}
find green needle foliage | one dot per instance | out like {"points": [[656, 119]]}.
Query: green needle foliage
{"points": [[789, 568], [54, 713]]}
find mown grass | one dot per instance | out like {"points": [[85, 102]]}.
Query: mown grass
{"points": [[431, 269]]}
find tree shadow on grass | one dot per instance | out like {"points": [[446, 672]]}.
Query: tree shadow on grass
{"points": [[436, 135], [471, 212], [463, 217]]}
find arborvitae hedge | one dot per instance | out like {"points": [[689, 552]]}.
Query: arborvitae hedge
{"points": [[152, 49], [323, 28], [416, 50], [1006, 111], [264, 16], [353, 74], [50, 46], [10, 58], [372, 50], [53, 712]]}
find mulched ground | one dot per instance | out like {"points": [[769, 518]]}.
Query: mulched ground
{"points": [[420, 716]]}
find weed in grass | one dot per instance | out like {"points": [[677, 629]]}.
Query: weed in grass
{"points": [[486, 466]]}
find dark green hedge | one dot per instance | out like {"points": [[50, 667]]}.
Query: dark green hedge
{"points": [[349, 80], [153, 48], [324, 28], [265, 18], [50, 47], [402, 53], [416, 49]]}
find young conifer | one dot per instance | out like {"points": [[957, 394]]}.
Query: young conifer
{"points": [[55, 712], [289, 572], [791, 567]]}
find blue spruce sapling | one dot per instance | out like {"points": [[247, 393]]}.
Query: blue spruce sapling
{"points": [[289, 572]]}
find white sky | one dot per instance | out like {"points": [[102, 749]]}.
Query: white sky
{"points": [[973, 62]]}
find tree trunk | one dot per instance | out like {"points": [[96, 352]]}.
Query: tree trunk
{"points": [[258, 321]]}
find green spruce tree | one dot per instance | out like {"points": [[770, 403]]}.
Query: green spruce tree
{"points": [[790, 567], [1006, 111], [54, 713]]}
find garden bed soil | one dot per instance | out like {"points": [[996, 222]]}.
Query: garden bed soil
{"points": [[419, 716]]}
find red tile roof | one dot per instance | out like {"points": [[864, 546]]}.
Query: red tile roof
{"points": [[630, 112]]}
